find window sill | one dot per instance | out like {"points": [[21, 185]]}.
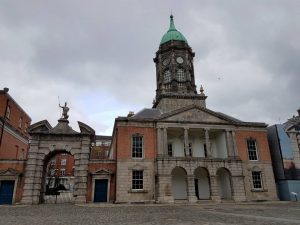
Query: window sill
{"points": [[259, 190], [137, 191]]}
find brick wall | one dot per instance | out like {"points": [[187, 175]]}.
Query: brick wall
{"points": [[261, 141], [126, 164], [124, 141], [94, 167], [263, 164]]}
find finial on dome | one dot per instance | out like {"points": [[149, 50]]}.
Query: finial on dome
{"points": [[201, 90], [172, 26]]}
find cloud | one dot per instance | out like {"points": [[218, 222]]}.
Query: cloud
{"points": [[97, 56]]}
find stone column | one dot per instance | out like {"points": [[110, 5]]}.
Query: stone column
{"points": [[191, 188], [164, 194], [207, 142], [214, 188], [186, 142], [160, 141], [238, 188], [229, 144], [235, 150], [29, 180], [165, 146], [81, 171]]}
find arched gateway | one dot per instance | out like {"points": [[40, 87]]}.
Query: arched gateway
{"points": [[47, 142]]}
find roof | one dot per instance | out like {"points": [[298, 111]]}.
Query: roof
{"points": [[103, 138], [190, 114], [147, 114], [172, 33], [291, 123]]}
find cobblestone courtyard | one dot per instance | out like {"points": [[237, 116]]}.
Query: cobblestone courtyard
{"points": [[226, 213]]}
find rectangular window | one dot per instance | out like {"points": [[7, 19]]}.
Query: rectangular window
{"points": [[8, 112], [170, 149], [63, 162], [137, 146], [62, 172], [190, 149], [20, 122], [256, 179], [205, 150], [137, 179], [252, 150], [52, 172], [25, 127]]}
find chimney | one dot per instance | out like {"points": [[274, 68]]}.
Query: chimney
{"points": [[130, 114], [5, 89]]}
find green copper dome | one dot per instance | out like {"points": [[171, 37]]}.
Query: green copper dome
{"points": [[172, 34]]}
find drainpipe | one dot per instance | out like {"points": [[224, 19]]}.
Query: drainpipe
{"points": [[4, 117], [116, 160]]}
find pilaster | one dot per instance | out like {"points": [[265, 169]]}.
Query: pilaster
{"points": [[207, 142], [191, 188], [186, 142], [215, 196]]}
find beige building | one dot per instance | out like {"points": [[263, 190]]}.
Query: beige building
{"points": [[181, 150]]}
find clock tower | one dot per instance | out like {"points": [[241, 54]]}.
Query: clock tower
{"points": [[175, 73]]}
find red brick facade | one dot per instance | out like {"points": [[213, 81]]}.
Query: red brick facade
{"points": [[124, 137], [261, 141], [13, 141]]}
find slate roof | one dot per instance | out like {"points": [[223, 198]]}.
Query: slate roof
{"points": [[147, 113]]}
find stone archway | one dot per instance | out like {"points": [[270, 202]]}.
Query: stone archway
{"points": [[224, 183], [46, 141], [202, 183], [179, 183], [58, 178]]}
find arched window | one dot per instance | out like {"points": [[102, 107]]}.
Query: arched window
{"points": [[8, 112], [180, 75], [167, 76], [188, 76], [20, 122]]}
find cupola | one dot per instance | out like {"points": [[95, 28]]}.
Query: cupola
{"points": [[172, 33]]}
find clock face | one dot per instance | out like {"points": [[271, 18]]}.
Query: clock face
{"points": [[179, 60], [166, 62]]}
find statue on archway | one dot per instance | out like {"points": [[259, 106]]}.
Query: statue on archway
{"points": [[65, 111]]}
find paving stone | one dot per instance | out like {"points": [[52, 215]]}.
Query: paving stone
{"points": [[264, 213]]}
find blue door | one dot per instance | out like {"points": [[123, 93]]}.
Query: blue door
{"points": [[6, 191], [100, 191]]}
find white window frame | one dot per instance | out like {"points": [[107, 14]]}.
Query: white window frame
{"points": [[257, 179], [167, 77], [8, 112], [137, 180], [180, 75], [251, 151], [62, 172], [63, 162], [135, 148]]}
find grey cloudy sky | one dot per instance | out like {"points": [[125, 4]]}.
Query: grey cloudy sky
{"points": [[97, 56]]}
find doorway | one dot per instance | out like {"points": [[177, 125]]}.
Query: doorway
{"points": [[6, 191], [100, 191]]}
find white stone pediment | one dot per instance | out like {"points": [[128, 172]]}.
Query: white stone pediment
{"points": [[103, 172], [42, 126], [195, 114]]}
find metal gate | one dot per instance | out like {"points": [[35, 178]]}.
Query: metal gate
{"points": [[6, 191], [100, 190]]}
